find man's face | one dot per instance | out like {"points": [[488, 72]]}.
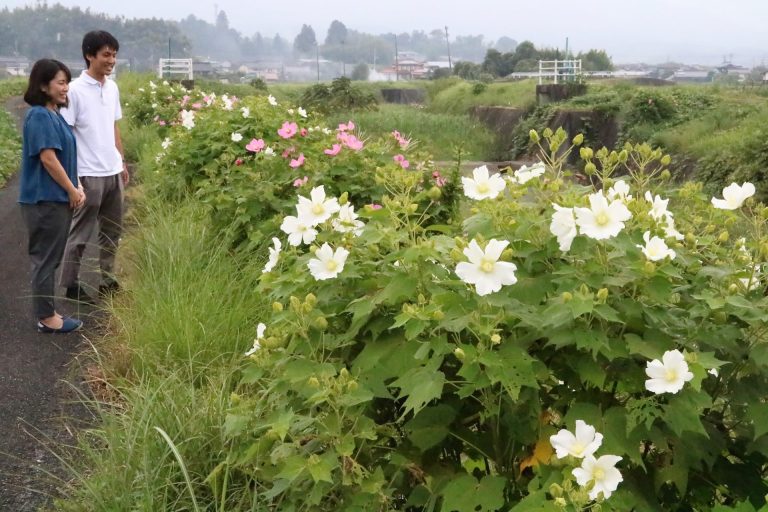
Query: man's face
{"points": [[103, 62]]}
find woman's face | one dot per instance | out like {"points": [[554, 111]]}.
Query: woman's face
{"points": [[57, 89]]}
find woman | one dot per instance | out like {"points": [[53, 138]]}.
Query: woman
{"points": [[49, 187]]}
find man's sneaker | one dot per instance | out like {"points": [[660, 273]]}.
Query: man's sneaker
{"points": [[68, 325], [77, 294], [108, 288]]}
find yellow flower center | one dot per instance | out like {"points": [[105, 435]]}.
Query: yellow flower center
{"points": [[482, 188], [318, 209], [671, 375], [487, 265], [598, 474], [602, 219], [577, 449], [331, 265]]}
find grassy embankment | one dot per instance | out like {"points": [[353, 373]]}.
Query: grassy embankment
{"points": [[10, 139]]}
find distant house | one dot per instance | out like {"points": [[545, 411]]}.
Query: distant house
{"points": [[765, 78], [733, 70], [267, 70]]}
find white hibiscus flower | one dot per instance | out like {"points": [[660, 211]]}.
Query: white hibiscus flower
{"points": [[317, 209], [484, 270], [327, 263], [256, 343], [274, 255], [585, 441], [525, 173], [668, 375], [298, 230], [481, 185], [734, 196], [601, 473], [347, 221], [563, 226], [655, 249], [602, 220]]}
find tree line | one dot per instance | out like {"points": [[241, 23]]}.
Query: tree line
{"points": [[56, 31]]}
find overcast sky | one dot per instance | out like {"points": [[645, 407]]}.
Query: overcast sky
{"points": [[692, 31]]}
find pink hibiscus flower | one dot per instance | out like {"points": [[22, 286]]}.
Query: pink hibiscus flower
{"points": [[303, 132], [298, 182], [288, 130], [335, 149], [255, 145], [297, 162], [346, 127]]}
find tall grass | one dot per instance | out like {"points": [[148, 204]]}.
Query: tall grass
{"points": [[189, 303], [440, 134], [176, 340], [125, 463]]}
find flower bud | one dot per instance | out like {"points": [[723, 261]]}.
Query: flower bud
{"points": [[344, 198], [320, 323], [435, 193], [623, 156], [495, 339], [438, 315], [690, 239], [555, 490], [719, 317], [313, 382], [457, 255], [764, 250], [234, 398], [586, 153], [295, 304], [578, 139], [567, 296], [583, 289], [352, 385], [534, 136], [310, 299], [344, 374], [602, 294], [723, 236], [590, 169], [710, 228], [547, 132], [459, 353], [277, 307], [306, 307], [665, 175], [313, 249], [649, 267], [764, 213], [733, 289], [675, 298], [560, 502]]}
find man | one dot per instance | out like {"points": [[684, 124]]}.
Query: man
{"points": [[93, 112]]}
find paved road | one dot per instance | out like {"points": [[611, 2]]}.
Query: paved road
{"points": [[38, 402]]}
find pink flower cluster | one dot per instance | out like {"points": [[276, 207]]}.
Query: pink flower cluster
{"points": [[298, 182], [400, 160], [439, 180], [402, 141]]}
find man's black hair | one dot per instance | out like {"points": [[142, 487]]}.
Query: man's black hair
{"points": [[95, 40], [43, 71]]}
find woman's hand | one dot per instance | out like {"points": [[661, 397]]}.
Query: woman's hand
{"points": [[76, 198]]}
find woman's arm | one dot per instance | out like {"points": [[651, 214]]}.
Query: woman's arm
{"points": [[53, 166]]}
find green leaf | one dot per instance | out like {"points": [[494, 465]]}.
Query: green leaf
{"points": [[420, 386], [321, 467], [758, 414], [235, 424], [430, 426], [683, 412], [465, 494]]}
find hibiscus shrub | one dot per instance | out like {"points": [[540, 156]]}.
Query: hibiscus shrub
{"points": [[562, 346], [247, 158]]}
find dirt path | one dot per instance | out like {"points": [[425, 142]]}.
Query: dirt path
{"points": [[38, 382]]}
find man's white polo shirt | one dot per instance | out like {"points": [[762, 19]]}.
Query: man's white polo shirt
{"points": [[93, 109]]}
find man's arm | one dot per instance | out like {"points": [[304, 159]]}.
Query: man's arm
{"points": [[119, 146]]}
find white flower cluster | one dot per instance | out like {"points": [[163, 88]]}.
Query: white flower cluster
{"points": [[603, 219], [302, 229], [600, 474]]}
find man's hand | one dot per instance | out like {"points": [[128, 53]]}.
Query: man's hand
{"points": [[124, 175]]}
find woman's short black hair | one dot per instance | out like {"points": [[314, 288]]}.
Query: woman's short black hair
{"points": [[43, 71], [95, 40]]}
